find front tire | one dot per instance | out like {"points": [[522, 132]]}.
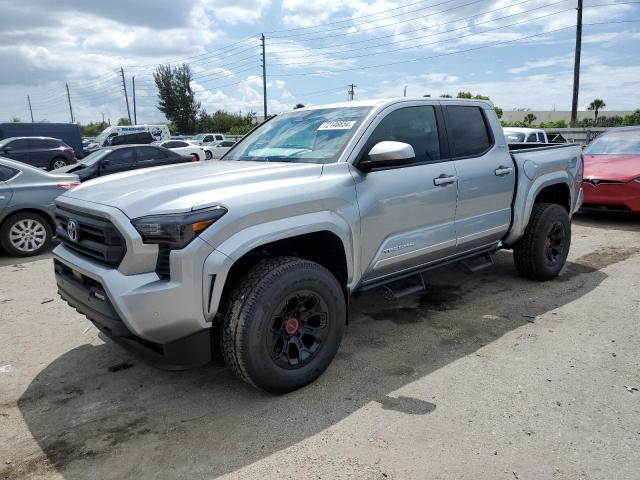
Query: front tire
{"points": [[283, 324], [208, 155], [25, 234], [542, 251]]}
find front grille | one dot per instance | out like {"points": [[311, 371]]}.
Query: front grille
{"points": [[97, 237], [597, 182]]}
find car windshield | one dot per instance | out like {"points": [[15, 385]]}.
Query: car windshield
{"points": [[200, 136], [627, 143], [302, 136], [95, 157], [514, 137]]}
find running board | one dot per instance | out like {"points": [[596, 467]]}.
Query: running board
{"points": [[476, 264], [403, 288]]}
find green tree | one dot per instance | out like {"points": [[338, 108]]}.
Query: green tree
{"points": [[15, 119], [597, 105], [92, 129], [464, 95], [298, 105], [176, 99], [123, 121], [632, 119], [499, 111], [222, 121], [529, 118], [445, 95]]}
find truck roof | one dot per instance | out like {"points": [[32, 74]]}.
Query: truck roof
{"points": [[388, 101]]}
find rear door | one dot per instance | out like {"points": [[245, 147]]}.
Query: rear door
{"points": [[120, 160], [486, 176], [41, 152], [6, 173], [407, 212], [151, 157]]}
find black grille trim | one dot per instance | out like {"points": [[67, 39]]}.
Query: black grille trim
{"points": [[98, 238], [163, 268]]}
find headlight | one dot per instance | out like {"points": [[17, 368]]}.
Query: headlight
{"points": [[176, 230], [637, 180]]}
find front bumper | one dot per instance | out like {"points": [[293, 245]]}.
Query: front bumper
{"points": [[622, 196], [89, 297]]}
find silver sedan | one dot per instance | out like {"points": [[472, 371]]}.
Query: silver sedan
{"points": [[27, 194]]}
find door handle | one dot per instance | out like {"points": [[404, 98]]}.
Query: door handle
{"points": [[444, 180], [501, 171]]}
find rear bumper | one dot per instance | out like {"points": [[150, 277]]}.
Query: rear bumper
{"points": [[89, 297], [622, 196]]}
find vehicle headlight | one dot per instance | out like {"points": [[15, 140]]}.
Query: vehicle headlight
{"points": [[637, 179], [176, 230]]}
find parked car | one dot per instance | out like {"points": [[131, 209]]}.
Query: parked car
{"points": [[40, 152], [204, 138], [26, 206], [259, 253], [122, 159], [128, 139], [612, 170], [105, 139], [525, 135], [187, 148], [218, 149], [69, 133]]}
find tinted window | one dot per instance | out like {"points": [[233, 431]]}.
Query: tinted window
{"points": [[171, 144], [21, 143], [122, 156], [180, 144], [413, 125], [616, 143], [208, 138], [44, 143], [467, 130], [7, 173], [532, 138], [150, 153], [227, 144], [541, 137]]}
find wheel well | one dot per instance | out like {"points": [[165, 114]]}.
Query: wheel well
{"points": [[321, 247], [557, 193], [45, 215]]}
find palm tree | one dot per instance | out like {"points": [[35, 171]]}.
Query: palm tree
{"points": [[530, 118], [596, 106]]}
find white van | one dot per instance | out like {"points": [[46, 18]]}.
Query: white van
{"points": [[525, 135], [159, 133], [204, 138]]}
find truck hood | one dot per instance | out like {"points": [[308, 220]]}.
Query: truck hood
{"points": [[180, 188], [621, 168]]}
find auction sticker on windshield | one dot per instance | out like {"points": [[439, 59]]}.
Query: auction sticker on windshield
{"points": [[338, 125]]}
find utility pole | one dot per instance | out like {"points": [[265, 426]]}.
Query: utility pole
{"points": [[69, 99], [264, 77], [102, 117], [405, 90], [576, 67], [351, 91], [135, 117], [30, 109], [126, 97]]}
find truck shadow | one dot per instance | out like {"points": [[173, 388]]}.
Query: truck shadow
{"points": [[136, 421]]}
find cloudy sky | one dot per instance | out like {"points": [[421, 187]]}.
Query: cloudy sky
{"points": [[519, 52]]}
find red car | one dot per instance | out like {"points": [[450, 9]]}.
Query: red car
{"points": [[612, 170]]}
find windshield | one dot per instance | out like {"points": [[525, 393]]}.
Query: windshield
{"points": [[627, 143], [514, 137], [303, 136], [95, 157], [200, 136]]}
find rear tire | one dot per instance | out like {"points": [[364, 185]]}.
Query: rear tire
{"points": [[59, 162], [542, 251], [283, 324], [25, 234], [207, 155]]}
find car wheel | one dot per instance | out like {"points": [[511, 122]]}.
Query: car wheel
{"points": [[283, 324], [207, 155], [59, 163], [542, 251], [25, 234], [195, 157]]}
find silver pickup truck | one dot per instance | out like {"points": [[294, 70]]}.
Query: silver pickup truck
{"points": [[257, 255]]}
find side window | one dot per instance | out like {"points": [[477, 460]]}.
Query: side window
{"points": [[541, 137], [20, 144], [227, 143], [532, 138], [467, 130], [171, 144], [123, 156], [180, 144], [149, 153], [37, 143], [7, 173], [416, 126]]}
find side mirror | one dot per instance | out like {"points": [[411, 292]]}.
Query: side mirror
{"points": [[7, 149], [105, 163], [387, 154]]}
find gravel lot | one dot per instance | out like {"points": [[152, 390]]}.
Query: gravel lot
{"points": [[484, 376]]}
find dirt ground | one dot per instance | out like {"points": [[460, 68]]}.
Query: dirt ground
{"points": [[484, 376]]}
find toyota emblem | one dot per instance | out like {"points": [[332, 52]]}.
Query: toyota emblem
{"points": [[73, 230]]}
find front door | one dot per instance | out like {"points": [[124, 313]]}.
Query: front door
{"points": [[408, 212], [19, 150], [486, 176]]}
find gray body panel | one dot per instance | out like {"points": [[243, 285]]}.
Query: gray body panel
{"points": [[30, 189], [388, 221]]}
